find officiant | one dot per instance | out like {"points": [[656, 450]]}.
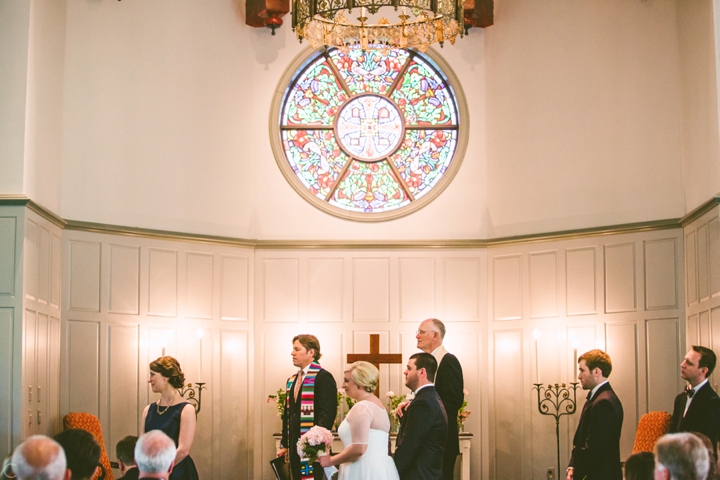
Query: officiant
{"points": [[311, 400]]}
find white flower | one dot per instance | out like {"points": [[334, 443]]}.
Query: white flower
{"points": [[390, 394]]}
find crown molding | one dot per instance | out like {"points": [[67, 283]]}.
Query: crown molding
{"points": [[24, 201], [103, 228], [700, 211]]}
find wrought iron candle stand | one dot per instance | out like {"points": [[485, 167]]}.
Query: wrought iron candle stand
{"points": [[194, 394], [557, 402]]}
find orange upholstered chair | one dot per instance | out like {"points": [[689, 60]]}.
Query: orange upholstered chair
{"points": [[652, 426], [90, 423]]}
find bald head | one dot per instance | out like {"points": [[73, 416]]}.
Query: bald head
{"points": [[155, 454], [39, 458]]}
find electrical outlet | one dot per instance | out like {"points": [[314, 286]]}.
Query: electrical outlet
{"points": [[550, 474]]}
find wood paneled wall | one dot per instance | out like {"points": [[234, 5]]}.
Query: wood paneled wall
{"points": [[126, 297]]}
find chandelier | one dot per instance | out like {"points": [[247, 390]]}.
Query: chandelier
{"points": [[324, 23]]}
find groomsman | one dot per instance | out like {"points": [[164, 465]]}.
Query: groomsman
{"points": [[311, 400], [448, 383], [423, 429], [596, 446], [697, 409]]}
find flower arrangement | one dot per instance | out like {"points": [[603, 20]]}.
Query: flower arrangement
{"points": [[279, 399], [463, 413], [393, 402], [312, 443], [342, 399]]}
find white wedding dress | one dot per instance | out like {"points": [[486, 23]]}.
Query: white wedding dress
{"points": [[367, 423]]}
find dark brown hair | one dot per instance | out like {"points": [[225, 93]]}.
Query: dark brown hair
{"points": [[125, 450], [309, 341], [707, 358], [597, 359], [169, 368], [426, 361]]}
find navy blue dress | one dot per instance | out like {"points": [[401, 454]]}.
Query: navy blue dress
{"points": [[169, 423]]}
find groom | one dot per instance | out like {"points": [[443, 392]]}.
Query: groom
{"points": [[423, 428], [311, 399]]}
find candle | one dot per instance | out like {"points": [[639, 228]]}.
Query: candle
{"points": [[536, 335], [163, 350], [200, 335]]}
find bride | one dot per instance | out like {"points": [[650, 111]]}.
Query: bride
{"points": [[365, 430]]}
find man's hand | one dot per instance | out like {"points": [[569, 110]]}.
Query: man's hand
{"points": [[282, 453], [570, 472], [400, 410]]}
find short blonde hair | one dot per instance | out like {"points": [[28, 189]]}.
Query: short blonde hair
{"points": [[365, 375]]}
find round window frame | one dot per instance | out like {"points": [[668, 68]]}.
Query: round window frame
{"points": [[309, 55]]}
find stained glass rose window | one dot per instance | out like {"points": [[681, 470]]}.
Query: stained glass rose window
{"points": [[368, 135]]}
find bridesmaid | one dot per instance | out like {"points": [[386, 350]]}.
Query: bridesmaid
{"points": [[172, 414]]}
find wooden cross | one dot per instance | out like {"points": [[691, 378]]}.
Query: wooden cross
{"points": [[375, 357]]}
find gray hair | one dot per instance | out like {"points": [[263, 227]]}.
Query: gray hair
{"points": [[39, 458], [684, 455], [154, 452], [440, 326]]}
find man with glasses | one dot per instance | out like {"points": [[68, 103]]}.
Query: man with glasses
{"points": [[448, 383]]}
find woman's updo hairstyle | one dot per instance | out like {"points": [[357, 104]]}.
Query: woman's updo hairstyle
{"points": [[365, 375], [169, 368]]}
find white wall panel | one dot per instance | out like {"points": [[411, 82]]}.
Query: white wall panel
{"points": [[715, 328], [417, 288], [84, 276], [543, 284], [31, 254], [371, 290], [461, 289], [326, 289], [41, 377], [508, 388], [7, 255], [56, 272], [704, 329], [580, 265], [162, 282], [54, 422], [691, 270], [281, 289], [82, 347], [6, 358], [124, 279], [622, 348], [714, 256], [233, 448], [660, 274], [199, 283], [122, 383], [703, 286], [29, 372], [662, 364], [44, 265], [692, 329], [620, 293], [234, 290], [507, 287]]}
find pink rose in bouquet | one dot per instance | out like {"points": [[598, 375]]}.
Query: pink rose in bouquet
{"points": [[312, 443]]}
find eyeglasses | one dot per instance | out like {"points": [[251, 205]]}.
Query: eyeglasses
{"points": [[423, 332]]}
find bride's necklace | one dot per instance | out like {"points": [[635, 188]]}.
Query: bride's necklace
{"points": [[157, 405]]}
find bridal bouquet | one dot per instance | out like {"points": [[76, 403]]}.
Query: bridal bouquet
{"points": [[315, 443]]}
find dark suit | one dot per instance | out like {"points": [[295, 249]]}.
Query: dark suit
{"points": [[324, 415], [449, 385], [131, 474], [703, 414], [422, 436], [596, 446]]}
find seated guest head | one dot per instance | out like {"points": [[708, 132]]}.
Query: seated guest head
{"points": [[713, 472], [82, 452], [39, 458], [594, 368], [640, 466], [125, 453], [360, 376], [681, 456], [155, 454], [420, 370], [170, 371]]}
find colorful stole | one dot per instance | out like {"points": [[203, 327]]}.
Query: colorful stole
{"points": [[307, 411]]}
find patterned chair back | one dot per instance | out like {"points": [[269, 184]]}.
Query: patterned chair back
{"points": [[90, 423], [652, 426]]}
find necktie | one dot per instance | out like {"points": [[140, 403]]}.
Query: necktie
{"points": [[689, 391], [298, 382]]}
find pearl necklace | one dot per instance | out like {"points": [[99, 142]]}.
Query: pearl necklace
{"points": [[157, 404]]}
